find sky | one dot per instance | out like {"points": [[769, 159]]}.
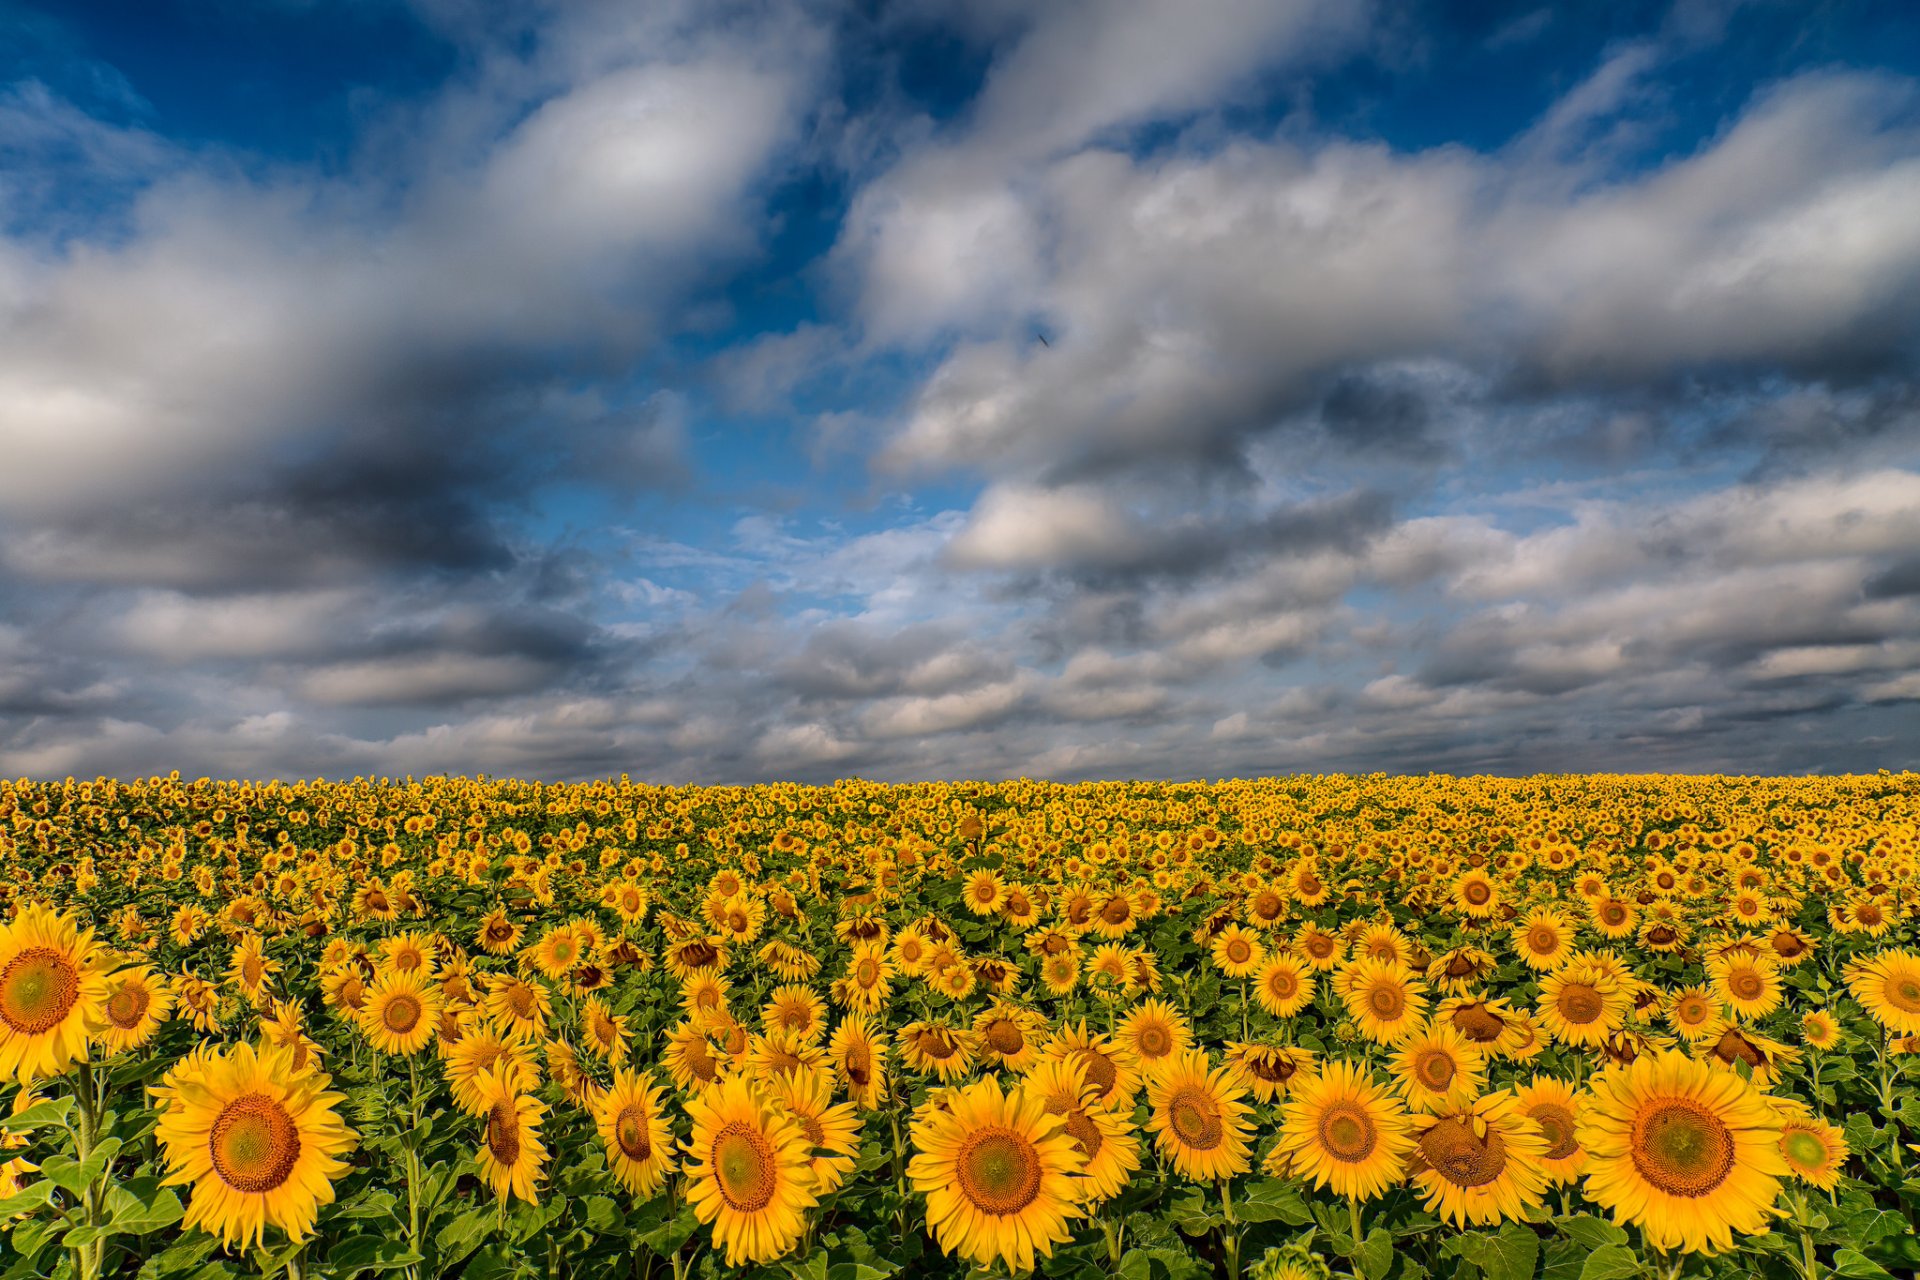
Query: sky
{"points": [[718, 391]]}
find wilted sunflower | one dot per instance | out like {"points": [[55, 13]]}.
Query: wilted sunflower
{"points": [[1479, 1164], [999, 1173], [1887, 985], [258, 1142], [138, 1002], [1689, 1155], [1344, 1132], [511, 1155], [53, 993], [1269, 1070], [636, 1133], [1198, 1119], [935, 1048], [747, 1171]]}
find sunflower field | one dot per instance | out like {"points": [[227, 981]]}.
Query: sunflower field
{"points": [[1572, 1028]]}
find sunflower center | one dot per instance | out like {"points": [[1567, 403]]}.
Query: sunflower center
{"points": [[1660, 935], [1803, 1150], [1100, 1072], [1281, 984], [1746, 984], [1238, 950], [1116, 911], [1733, 1046], [1543, 940], [1451, 1150], [503, 1131], [1692, 1011], [630, 1133], [1682, 1148], [867, 972], [500, 931], [1435, 1069], [1195, 1117], [127, 1005], [1155, 1041], [520, 1001], [1478, 1023], [1387, 1002], [254, 1144], [1459, 967], [1556, 1122], [1005, 1037], [401, 1014], [936, 1045], [1477, 892], [1903, 993], [998, 1170], [37, 988], [744, 1165], [1580, 1003], [1347, 1133]]}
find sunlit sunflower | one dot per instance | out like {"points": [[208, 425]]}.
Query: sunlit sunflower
{"points": [[867, 983], [1060, 973], [690, 1057], [1320, 948], [1437, 1070], [1237, 951], [1690, 1155], [1106, 1141], [1109, 1067], [859, 1060], [780, 1054], [1283, 986], [1267, 1070], [411, 951], [1479, 1164], [747, 1171], [1542, 939], [498, 935], [401, 1013], [1552, 1105], [1813, 1149], [1819, 1029], [1692, 1012], [138, 1002], [937, 1049], [1887, 985], [478, 1052], [1009, 1036], [1198, 1119], [604, 1031], [1475, 895], [1384, 998], [1155, 1034], [258, 1142], [1748, 985], [1344, 1132], [53, 993], [511, 1155], [1581, 1005], [1731, 1046], [796, 1010], [999, 1175], [832, 1131], [636, 1132], [518, 1007]]}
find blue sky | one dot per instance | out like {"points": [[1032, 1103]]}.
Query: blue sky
{"points": [[729, 391]]}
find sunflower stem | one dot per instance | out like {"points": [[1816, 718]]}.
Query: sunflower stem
{"points": [[413, 1163], [86, 1256], [1353, 1221], [1230, 1233]]}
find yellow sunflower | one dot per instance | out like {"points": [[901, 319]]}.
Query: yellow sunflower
{"points": [[1813, 1149], [1542, 938], [258, 1142], [832, 1131], [478, 1052], [1155, 1034], [1581, 1005], [999, 1173], [1748, 985], [53, 993], [511, 1155], [1438, 1071], [1009, 1036], [1283, 986], [604, 1031], [1109, 1068], [1384, 998], [401, 1013], [936, 1049], [1269, 1070], [138, 1002], [796, 1010], [1480, 1164], [498, 935], [1555, 1108], [748, 1171], [1345, 1132], [516, 1007], [1237, 951], [1689, 1155], [1106, 1141], [1693, 1011], [635, 1130], [1197, 1118], [859, 1060], [1887, 985]]}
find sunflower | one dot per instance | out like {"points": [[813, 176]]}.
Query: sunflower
{"points": [[1438, 1071], [14, 1169], [1693, 1011], [999, 1173], [1813, 1149], [479, 1052], [1542, 938], [867, 982], [1283, 986], [604, 1031], [796, 1010], [1155, 1034], [138, 1001], [411, 951], [1475, 895], [1197, 1118], [747, 1171], [1581, 1004], [832, 1132], [1319, 948], [636, 1133], [1268, 1070], [53, 993], [1887, 985], [1009, 1036], [859, 1060], [511, 1155], [690, 1057], [1552, 1105], [1106, 1141], [1344, 1132], [401, 1013], [1748, 985], [782, 1053], [1237, 951], [258, 1142], [983, 892], [1479, 1164], [1060, 973], [1109, 1067], [518, 1008], [1689, 1155], [937, 1049], [497, 935], [1728, 1046], [1384, 998], [1819, 1029]]}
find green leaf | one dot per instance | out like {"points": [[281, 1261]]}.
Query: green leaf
{"points": [[184, 1254], [602, 1216], [130, 1214], [1375, 1256], [356, 1254], [1589, 1232], [1851, 1262], [811, 1267], [38, 1116], [1611, 1263], [36, 1196], [464, 1234], [1273, 1200]]}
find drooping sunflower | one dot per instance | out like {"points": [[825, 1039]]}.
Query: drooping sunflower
{"points": [[999, 1173], [859, 1060], [604, 1031], [258, 1141], [1689, 1155], [1887, 985], [138, 1002], [511, 1155], [1283, 986], [1105, 1140], [401, 1014], [748, 1171], [1009, 1036], [1345, 1132], [1109, 1067], [498, 935], [937, 1049], [636, 1132], [1197, 1117], [53, 993], [1480, 1164], [1552, 1105], [1269, 1070], [1437, 1070], [780, 1054], [1581, 1005], [1384, 998], [1155, 1034]]}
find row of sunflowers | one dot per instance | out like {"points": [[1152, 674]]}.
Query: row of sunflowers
{"points": [[1572, 1028]]}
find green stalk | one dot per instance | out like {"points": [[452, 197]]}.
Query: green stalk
{"points": [[1231, 1233]]}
